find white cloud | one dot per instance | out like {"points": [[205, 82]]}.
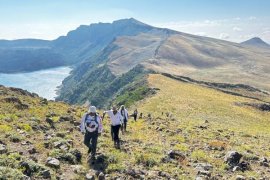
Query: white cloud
{"points": [[201, 34], [224, 36], [237, 29], [252, 18], [237, 18], [234, 29]]}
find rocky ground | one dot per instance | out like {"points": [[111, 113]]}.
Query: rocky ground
{"points": [[186, 132]]}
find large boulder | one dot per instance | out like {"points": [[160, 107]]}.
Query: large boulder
{"points": [[53, 162], [232, 158]]}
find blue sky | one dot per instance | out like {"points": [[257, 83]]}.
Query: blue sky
{"points": [[233, 20]]}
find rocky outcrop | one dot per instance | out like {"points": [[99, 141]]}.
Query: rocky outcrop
{"points": [[53, 162]]}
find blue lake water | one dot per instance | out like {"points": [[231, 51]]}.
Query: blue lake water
{"points": [[43, 82]]}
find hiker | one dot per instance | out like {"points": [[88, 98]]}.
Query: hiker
{"points": [[91, 127], [116, 122], [123, 111], [135, 113]]}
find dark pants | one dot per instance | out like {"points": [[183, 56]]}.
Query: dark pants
{"points": [[135, 117], [90, 140], [115, 133], [125, 125], [112, 133]]}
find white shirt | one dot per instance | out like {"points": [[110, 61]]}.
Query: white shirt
{"points": [[89, 118], [125, 113], [116, 119]]}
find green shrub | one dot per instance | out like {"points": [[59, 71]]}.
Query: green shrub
{"points": [[10, 173], [25, 127], [15, 138], [5, 128], [147, 160], [11, 160], [199, 155]]}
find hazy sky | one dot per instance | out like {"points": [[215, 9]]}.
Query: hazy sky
{"points": [[233, 20]]}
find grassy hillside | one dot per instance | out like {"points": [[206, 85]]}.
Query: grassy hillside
{"points": [[186, 129], [202, 119]]}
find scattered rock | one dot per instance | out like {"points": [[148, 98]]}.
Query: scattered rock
{"points": [[46, 174], [32, 151], [60, 134], [78, 169], [236, 168], [47, 137], [50, 122], [25, 178], [244, 166], [240, 177], [164, 174], [204, 174], [26, 143], [53, 162], [77, 154], [203, 167], [202, 127], [176, 155], [66, 118], [264, 162], [17, 102], [47, 145], [90, 175], [135, 173], [101, 176], [44, 101], [34, 158], [232, 158], [3, 149]]}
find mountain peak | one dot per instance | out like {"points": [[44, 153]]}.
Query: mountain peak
{"points": [[256, 42], [129, 21]]}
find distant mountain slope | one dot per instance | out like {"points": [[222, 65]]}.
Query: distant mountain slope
{"points": [[86, 41], [75, 47], [26, 60], [24, 43], [256, 42], [167, 51]]}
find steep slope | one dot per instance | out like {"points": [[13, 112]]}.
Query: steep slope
{"points": [[185, 131], [167, 51], [33, 129], [256, 42]]}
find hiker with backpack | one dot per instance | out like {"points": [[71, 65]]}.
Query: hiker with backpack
{"points": [[124, 114], [116, 123], [91, 127]]}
